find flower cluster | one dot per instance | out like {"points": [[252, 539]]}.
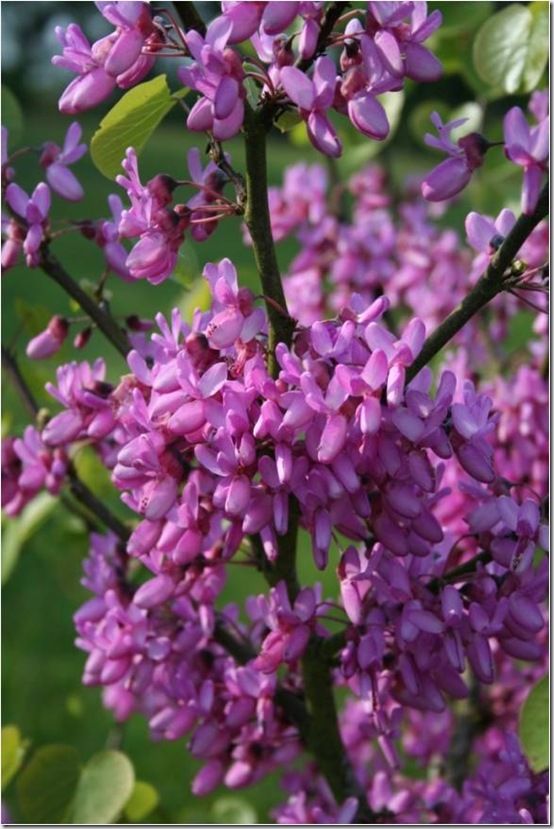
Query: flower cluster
{"points": [[211, 451], [381, 47]]}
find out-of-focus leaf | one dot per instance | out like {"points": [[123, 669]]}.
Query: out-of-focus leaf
{"points": [[13, 752], [419, 121], [187, 270], [104, 787], [537, 53], [461, 17], [130, 123], [17, 531], [473, 112], [234, 810], [92, 471], [288, 120], [197, 297], [34, 318], [46, 786], [143, 801], [533, 726], [501, 47], [299, 135], [12, 117]]}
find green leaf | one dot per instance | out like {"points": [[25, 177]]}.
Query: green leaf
{"points": [[461, 17], [501, 48], [130, 123], [104, 787], [19, 530], [234, 810], [288, 119], [187, 269], [13, 752], [533, 726], [537, 53], [143, 800], [473, 112], [47, 784], [12, 117], [34, 318], [198, 296]]}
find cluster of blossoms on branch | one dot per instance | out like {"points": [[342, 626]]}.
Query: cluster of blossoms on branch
{"points": [[210, 450], [424, 494]]}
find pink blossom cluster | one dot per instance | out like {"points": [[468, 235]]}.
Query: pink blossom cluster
{"points": [[402, 251], [210, 451], [524, 145], [381, 48]]}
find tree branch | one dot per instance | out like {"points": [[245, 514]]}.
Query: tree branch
{"points": [[489, 285], [332, 14], [189, 16], [12, 369], [54, 269], [281, 325]]}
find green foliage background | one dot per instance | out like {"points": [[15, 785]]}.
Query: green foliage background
{"points": [[41, 687]]}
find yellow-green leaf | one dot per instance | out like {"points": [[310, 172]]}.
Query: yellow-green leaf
{"points": [[533, 726], [501, 48], [104, 787], [13, 752], [130, 123], [537, 53], [143, 801], [46, 786]]}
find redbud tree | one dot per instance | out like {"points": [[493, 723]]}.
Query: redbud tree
{"points": [[351, 436]]}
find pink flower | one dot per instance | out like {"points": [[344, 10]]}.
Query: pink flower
{"points": [[528, 148], [452, 175], [34, 211], [313, 98], [217, 74], [56, 162], [49, 341]]}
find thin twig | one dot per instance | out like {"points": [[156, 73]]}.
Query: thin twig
{"points": [[489, 285], [105, 322]]}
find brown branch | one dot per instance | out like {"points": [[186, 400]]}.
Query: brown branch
{"points": [[493, 282], [332, 14], [190, 18], [14, 372], [54, 269]]}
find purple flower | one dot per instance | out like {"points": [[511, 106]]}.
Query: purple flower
{"points": [[115, 60], [56, 162], [452, 175], [49, 341], [528, 148], [217, 74], [485, 235], [313, 98], [34, 211]]}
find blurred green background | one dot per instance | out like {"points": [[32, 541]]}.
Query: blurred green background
{"points": [[41, 667]]}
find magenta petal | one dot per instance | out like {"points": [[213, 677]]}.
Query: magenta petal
{"points": [[516, 129], [278, 15], [86, 91], [200, 118], [154, 592], [421, 65], [298, 87], [225, 128], [480, 230], [368, 116], [124, 52], [226, 97], [332, 438], [322, 135], [64, 183], [446, 180]]}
